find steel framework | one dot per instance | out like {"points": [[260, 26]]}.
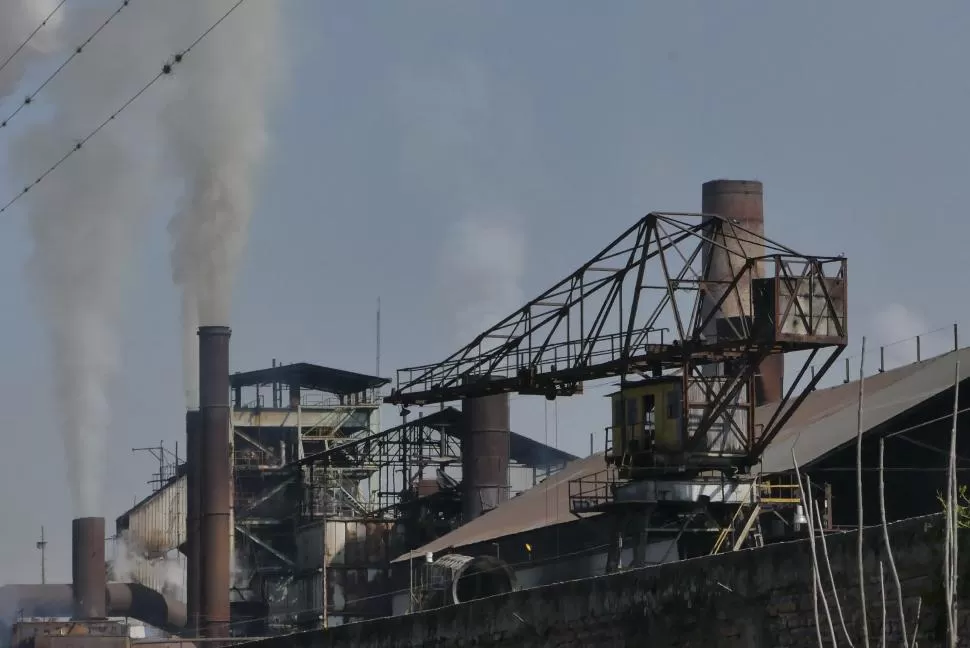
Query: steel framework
{"points": [[672, 315]]}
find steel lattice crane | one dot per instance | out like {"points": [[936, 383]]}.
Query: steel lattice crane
{"points": [[687, 307]]}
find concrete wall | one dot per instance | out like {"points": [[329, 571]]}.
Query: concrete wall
{"points": [[747, 599]]}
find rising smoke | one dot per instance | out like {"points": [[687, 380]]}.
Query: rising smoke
{"points": [[209, 116], [130, 563], [482, 266], [451, 114], [217, 137], [83, 219], [19, 20]]}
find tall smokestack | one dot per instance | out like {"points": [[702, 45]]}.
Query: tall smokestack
{"points": [[193, 492], [484, 454], [214, 479], [88, 567], [741, 201]]}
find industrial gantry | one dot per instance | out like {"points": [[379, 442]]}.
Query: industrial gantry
{"points": [[694, 314]]}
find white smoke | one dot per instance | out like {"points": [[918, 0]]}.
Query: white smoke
{"points": [[481, 269], [83, 219], [132, 563], [897, 327], [450, 117], [216, 130], [20, 18], [85, 215]]}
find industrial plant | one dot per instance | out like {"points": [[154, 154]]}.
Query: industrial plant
{"points": [[296, 509]]}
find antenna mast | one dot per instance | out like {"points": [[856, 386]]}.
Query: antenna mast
{"points": [[378, 372], [42, 545]]}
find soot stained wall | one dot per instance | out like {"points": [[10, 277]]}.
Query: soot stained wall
{"points": [[752, 598]]}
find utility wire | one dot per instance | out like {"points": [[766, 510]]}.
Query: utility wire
{"points": [[29, 99], [167, 69], [43, 22]]}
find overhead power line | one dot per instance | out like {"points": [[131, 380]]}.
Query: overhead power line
{"points": [[29, 99], [43, 23], [167, 68]]}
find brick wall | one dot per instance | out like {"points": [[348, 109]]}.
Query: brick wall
{"points": [[755, 598]]}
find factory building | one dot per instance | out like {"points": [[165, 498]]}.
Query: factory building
{"points": [[296, 509], [910, 408], [321, 503]]}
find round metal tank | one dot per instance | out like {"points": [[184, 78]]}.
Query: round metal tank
{"points": [[484, 454], [460, 578]]}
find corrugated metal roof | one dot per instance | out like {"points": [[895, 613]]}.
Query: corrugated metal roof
{"points": [[824, 422], [827, 419], [544, 505]]}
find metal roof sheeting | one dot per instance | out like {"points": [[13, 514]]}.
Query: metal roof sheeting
{"points": [[826, 421], [544, 505]]}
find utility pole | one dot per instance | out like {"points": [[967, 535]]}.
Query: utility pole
{"points": [[42, 545]]}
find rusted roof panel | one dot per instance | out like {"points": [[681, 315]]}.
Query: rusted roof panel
{"points": [[826, 421], [546, 504]]}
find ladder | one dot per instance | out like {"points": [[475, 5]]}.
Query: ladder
{"points": [[750, 526]]}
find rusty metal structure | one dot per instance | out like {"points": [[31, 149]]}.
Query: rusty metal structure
{"points": [[485, 454], [193, 535], [651, 283], [322, 498], [88, 567], [741, 202], [84, 608], [214, 481], [693, 313]]}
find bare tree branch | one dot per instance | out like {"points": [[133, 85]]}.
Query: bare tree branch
{"points": [[887, 543], [858, 463], [950, 558], [828, 566], [817, 589]]}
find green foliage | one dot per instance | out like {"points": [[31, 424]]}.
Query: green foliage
{"points": [[963, 507]]}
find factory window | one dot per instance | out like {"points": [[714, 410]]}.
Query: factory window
{"points": [[673, 404], [631, 411], [649, 406]]}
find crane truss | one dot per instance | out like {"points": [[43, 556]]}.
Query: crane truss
{"points": [[673, 294]]}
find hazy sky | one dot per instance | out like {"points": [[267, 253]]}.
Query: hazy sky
{"points": [[415, 140]]}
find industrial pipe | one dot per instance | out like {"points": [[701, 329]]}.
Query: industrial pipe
{"points": [[147, 605], [214, 480], [484, 454], [88, 567], [122, 600], [193, 551], [464, 578]]}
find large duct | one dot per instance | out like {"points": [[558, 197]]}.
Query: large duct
{"points": [[193, 551], [123, 600], [484, 454], [455, 578], [88, 568], [214, 480], [740, 202]]}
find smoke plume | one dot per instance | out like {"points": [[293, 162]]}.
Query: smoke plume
{"points": [[208, 115], [163, 573], [452, 115], [482, 266], [216, 131], [20, 18], [84, 216]]}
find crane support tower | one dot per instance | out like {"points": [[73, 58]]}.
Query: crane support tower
{"points": [[693, 315]]}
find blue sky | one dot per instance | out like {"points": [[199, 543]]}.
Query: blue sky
{"points": [[558, 123]]}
